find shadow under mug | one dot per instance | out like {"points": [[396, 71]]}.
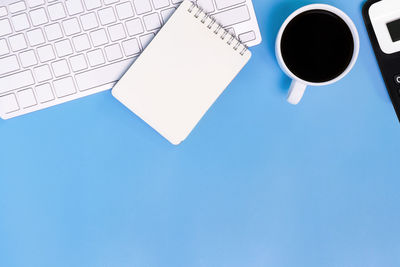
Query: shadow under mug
{"points": [[298, 85]]}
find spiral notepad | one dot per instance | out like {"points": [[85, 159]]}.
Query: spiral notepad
{"points": [[182, 72]]}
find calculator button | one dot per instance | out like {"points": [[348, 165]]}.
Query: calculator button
{"points": [[397, 79]]}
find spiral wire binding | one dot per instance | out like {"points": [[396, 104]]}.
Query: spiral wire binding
{"points": [[198, 11]]}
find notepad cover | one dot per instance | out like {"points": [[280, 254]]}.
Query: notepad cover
{"points": [[181, 73]]}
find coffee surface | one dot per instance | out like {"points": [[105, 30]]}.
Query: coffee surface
{"points": [[317, 46]]}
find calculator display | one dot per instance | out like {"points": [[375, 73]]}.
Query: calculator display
{"points": [[394, 30]]}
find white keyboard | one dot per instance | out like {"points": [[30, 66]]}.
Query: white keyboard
{"points": [[58, 50]]}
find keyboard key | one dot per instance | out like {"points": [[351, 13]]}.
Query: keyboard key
{"points": [[124, 10], [8, 103], [26, 98], [3, 11], [64, 87], [96, 57], [247, 36], [8, 64], [28, 58], [63, 48], [15, 81], [208, 6], [5, 27], [109, 2], [160, 3], [81, 42], [221, 4], [89, 21], [46, 53], [53, 32], [43, 73], [103, 75], [60, 68], [20, 22], [56, 11], [233, 16], [4, 47], [38, 17], [152, 21], [78, 62], [107, 16], [142, 6], [167, 13], [74, 7], [99, 37], [113, 52], [116, 32], [44, 93], [17, 42], [92, 4], [146, 39], [35, 3], [131, 47], [35, 37], [17, 7], [71, 26], [134, 27]]}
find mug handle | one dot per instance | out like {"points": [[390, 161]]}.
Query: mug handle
{"points": [[296, 92]]}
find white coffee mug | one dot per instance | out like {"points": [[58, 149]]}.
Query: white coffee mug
{"points": [[299, 85]]}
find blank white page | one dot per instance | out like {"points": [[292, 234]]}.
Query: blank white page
{"points": [[181, 73]]}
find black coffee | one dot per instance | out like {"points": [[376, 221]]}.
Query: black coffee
{"points": [[317, 46]]}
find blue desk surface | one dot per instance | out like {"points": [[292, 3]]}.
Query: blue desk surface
{"points": [[258, 183]]}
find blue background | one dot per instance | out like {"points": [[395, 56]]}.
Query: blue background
{"points": [[258, 183]]}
